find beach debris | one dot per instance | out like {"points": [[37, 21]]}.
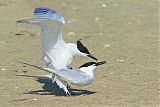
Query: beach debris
{"points": [[107, 45], [34, 99], [71, 33], [3, 69], [120, 60], [97, 19], [104, 5]]}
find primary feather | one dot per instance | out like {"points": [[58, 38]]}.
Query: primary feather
{"points": [[43, 12]]}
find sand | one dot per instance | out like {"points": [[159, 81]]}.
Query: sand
{"points": [[122, 32]]}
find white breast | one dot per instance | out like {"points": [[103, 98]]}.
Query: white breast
{"points": [[61, 57]]}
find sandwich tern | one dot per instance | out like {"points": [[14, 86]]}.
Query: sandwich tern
{"points": [[51, 24], [79, 77], [61, 54]]}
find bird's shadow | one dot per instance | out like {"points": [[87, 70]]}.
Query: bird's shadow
{"points": [[50, 88]]}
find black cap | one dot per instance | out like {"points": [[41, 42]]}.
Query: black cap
{"points": [[92, 63], [83, 49]]}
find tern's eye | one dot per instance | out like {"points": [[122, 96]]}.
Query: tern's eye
{"points": [[94, 64]]}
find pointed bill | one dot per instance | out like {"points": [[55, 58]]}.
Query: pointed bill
{"points": [[91, 56]]}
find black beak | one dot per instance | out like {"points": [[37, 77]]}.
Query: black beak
{"points": [[91, 56], [101, 63]]}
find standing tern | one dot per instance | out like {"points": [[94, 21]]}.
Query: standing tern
{"points": [[61, 53], [79, 77]]}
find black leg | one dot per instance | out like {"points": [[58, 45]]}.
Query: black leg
{"points": [[68, 86], [68, 94], [70, 68]]}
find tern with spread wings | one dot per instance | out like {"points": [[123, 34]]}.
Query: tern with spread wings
{"points": [[61, 53]]}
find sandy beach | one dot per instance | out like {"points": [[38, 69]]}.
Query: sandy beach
{"points": [[125, 33]]}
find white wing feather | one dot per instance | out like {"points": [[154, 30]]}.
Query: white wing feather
{"points": [[51, 24], [51, 28]]}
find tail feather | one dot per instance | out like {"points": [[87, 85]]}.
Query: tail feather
{"points": [[30, 21], [38, 67]]}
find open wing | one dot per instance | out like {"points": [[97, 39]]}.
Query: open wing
{"points": [[51, 28], [50, 23]]}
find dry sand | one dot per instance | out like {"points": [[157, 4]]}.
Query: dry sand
{"points": [[122, 32]]}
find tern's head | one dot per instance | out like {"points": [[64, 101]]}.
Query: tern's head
{"points": [[91, 65], [83, 51]]}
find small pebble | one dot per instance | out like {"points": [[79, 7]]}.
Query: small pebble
{"points": [[120, 60], [71, 33], [104, 5], [34, 99], [96, 19], [3, 69], [106, 45]]}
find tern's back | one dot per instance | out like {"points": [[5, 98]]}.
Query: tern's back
{"points": [[75, 77]]}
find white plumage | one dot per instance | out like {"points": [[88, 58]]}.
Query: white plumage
{"points": [[55, 51], [79, 77]]}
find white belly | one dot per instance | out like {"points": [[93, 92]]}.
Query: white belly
{"points": [[61, 58]]}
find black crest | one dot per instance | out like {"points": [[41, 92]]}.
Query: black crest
{"points": [[82, 48], [88, 64]]}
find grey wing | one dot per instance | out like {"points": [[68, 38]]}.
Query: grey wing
{"points": [[50, 33]]}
